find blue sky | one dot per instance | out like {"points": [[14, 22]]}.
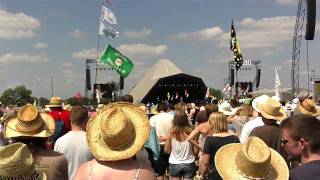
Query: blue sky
{"points": [[40, 39]]}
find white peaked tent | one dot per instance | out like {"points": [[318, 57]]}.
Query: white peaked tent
{"points": [[163, 72], [161, 69]]}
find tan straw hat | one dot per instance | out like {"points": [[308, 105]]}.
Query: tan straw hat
{"points": [[271, 109], [16, 162], [308, 106], [29, 123], [251, 160], [118, 131], [55, 102]]}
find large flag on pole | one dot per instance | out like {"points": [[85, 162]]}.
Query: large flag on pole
{"points": [[107, 16], [106, 30], [235, 47], [277, 83], [118, 61], [107, 20]]}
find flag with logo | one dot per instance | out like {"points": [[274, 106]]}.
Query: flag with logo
{"points": [[106, 30], [116, 60], [235, 47], [107, 21], [107, 16]]}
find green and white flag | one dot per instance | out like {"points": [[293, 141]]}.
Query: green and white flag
{"points": [[118, 61]]}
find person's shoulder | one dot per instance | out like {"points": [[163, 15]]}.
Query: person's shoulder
{"points": [[147, 173], [82, 172]]}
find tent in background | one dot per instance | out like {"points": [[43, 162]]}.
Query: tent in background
{"points": [[165, 81]]}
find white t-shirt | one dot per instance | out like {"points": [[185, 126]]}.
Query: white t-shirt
{"points": [[162, 122], [75, 148], [248, 127]]}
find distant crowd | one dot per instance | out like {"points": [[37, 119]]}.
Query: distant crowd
{"points": [[250, 138]]}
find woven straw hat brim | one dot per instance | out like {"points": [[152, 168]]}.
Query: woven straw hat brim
{"points": [[47, 128], [225, 164], [54, 105], [258, 100], [304, 111], [101, 151], [282, 115]]}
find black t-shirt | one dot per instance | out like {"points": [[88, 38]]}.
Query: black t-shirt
{"points": [[212, 145], [308, 171]]}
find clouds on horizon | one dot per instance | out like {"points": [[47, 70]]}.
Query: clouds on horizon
{"points": [[17, 25], [138, 34], [78, 34], [18, 58]]}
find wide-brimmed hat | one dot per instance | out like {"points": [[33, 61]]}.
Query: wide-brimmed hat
{"points": [[55, 102], [251, 160], [226, 108], [118, 131], [259, 100], [308, 106], [29, 123], [16, 162], [272, 109]]}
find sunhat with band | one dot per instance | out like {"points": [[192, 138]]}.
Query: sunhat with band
{"points": [[308, 106], [251, 160], [55, 102], [29, 123], [16, 162], [118, 131], [271, 109]]}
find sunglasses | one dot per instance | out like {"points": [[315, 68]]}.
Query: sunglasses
{"points": [[285, 141]]}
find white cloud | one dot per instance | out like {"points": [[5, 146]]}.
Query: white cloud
{"points": [[16, 58], [66, 65], [40, 45], [287, 2], [17, 26], [266, 32], [85, 54], [78, 34], [138, 34], [207, 34], [142, 50]]}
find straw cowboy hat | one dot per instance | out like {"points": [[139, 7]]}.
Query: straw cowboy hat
{"points": [[118, 131], [271, 109], [259, 100], [251, 160], [226, 108], [55, 102], [29, 123], [308, 106], [16, 162]]}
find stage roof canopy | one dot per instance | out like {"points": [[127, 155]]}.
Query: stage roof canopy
{"points": [[165, 79]]}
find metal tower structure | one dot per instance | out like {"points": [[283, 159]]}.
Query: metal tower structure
{"points": [[298, 30]]}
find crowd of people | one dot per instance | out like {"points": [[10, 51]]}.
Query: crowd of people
{"points": [[251, 138]]}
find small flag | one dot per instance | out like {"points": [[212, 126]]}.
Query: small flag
{"points": [[277, 82], [107, 16], [186, 94], [227, 88], [118, 61], [235, 48], [107, 30], [208, 92]]}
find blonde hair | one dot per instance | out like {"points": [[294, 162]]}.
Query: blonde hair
{"points": [[218, 122]]}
